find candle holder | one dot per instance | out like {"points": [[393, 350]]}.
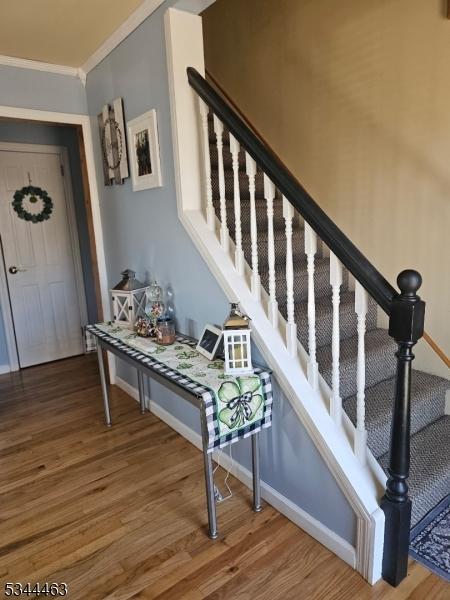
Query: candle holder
{"points": [[128, 298]]}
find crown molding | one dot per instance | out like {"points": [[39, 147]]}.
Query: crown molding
{"points": [[36, 65], [82, 75], [134, 20]]}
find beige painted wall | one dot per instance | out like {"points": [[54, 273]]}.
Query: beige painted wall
{"points": [[355, 97]]}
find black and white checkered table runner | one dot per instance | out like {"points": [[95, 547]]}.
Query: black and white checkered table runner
{"points": [[208, 396]]}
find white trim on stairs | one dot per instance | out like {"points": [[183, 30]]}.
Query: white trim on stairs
{"points": [[297, 515], [356, 482]]}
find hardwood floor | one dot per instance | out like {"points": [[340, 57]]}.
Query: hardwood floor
{"points": [[120, 513]]}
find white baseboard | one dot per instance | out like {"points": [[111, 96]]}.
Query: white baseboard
{"points": [[128, 388], [4, 369], [294, 513]]}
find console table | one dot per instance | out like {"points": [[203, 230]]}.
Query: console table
{"points": [[196, 394]]}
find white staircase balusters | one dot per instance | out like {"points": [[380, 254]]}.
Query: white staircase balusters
{"points": [[210, 215], [335, 282], [361, 298], [251, 172], [239, 254], [269, 194], [310, 250], [224, 235], [291, 327], [361, 433]]}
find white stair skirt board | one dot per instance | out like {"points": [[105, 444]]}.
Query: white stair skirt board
{"points": [[359, 483], [294, 513]]}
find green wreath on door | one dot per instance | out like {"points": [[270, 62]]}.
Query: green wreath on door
{"points": [[36, 194]]}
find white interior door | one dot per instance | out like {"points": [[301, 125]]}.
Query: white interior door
{"points": [[43, 292]]}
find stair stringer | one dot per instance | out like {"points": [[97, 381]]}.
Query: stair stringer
{"points": [[359, 484]]}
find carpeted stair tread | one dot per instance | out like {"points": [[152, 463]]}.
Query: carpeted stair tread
{"points": [[324, 319], [380, 361], [260, 209], [298, 246], [243, 186], [427, 405], [429, 479], [261, 217], [321, 279], [227, 158]]}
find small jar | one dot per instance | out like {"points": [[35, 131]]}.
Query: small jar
{"points": [[166, 331]]}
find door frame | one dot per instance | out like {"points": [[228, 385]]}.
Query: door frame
{"points": [[62, 153], [84, 122]]}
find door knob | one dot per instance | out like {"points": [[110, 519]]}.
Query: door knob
{"points": [[13, 270]]}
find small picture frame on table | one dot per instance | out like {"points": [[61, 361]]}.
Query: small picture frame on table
{"points": [[210, 342], [144, 152]]}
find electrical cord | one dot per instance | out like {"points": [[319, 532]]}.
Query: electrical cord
{"points": [[217, 493]]}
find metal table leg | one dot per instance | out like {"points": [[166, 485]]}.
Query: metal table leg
{"points": [[209, 480], [149, 390], [101, 366], [141, 390], [256, 473]]}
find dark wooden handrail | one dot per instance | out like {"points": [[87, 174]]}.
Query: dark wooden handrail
{"points": [[361, 268]]}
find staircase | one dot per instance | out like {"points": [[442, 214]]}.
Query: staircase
{"points": [[304, 274], [429, 479], [315, 302]]}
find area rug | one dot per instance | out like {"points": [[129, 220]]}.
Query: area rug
{"points": [[430, 540]]}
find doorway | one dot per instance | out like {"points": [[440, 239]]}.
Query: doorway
{"points": [[42, 258], [49, 282]]}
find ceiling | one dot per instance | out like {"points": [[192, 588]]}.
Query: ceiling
{"points": [[62, 32]]}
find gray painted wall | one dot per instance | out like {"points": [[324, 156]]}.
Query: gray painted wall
{"points": [[35, 133], [142, 231], [26, 88]]}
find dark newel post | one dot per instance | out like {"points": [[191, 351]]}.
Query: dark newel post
{"points": [[406, 327]]}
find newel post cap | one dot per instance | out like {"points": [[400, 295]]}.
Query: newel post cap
{"points": [[409, 282], [406, 321]]}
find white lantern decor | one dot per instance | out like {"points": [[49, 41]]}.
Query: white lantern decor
{"points": [[128, 299], [236, 343]]}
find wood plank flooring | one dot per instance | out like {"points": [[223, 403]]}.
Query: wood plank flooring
{"points": [[120, 513]]}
